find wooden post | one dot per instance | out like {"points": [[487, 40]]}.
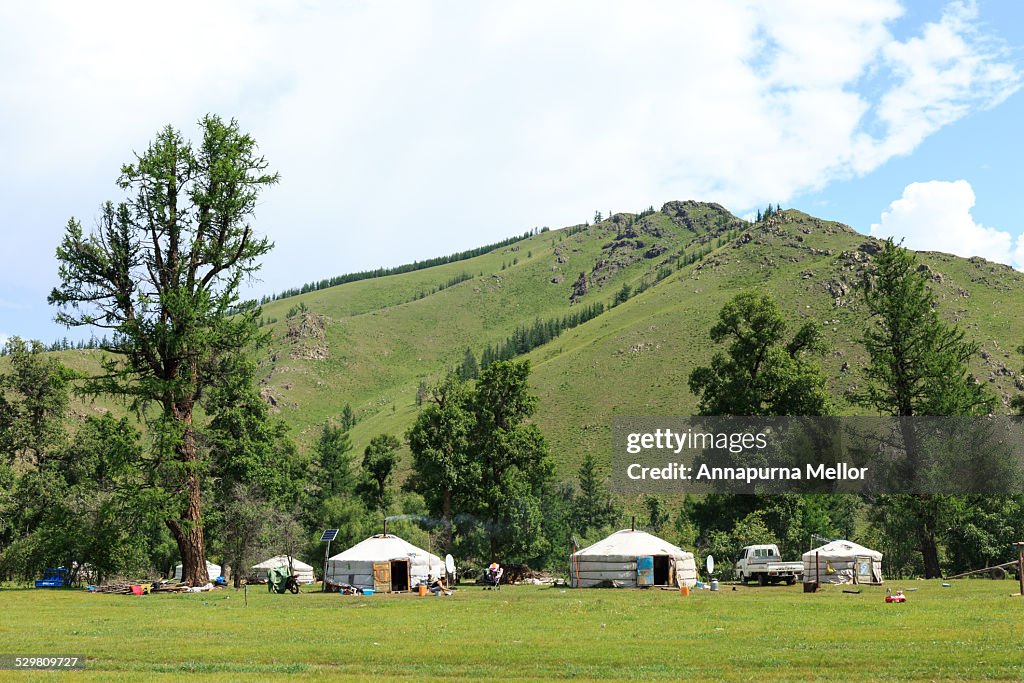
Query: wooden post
{"points": [[1020, 566], [323, 581], [817, 568]]}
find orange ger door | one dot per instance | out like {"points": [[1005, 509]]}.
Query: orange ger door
{"points": [[382, 577]]}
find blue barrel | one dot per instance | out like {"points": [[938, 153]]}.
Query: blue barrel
{"points": [[645, 571]]}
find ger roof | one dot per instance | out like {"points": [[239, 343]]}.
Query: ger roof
{"points": [[842, 548], [383, 547], [632, 542], [282, 561]]}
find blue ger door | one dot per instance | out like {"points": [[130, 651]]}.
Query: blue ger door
{"points": [[645, 571]]}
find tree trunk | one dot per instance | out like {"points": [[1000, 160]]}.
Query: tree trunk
{"points": [[927, 516], [909, 468], [188, 533], [188, 529], [930, 554]]}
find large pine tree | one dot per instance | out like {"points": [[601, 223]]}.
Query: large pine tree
{"points": [[162, 271], [917, 366]]}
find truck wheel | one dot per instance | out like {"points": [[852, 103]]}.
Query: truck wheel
{"points": [[762, 580], [790, 581]]}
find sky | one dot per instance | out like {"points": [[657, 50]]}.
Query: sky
{"points": [[405, 130]]}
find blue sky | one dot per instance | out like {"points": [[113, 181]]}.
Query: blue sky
{"points": [[408, 130]]}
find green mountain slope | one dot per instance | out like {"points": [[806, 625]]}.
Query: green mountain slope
{"points": [[370, 343], [636, 359]]}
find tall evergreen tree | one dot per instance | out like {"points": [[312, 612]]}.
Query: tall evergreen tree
{"points": [[594, 506], [163, 270], [917, 362], [917, 365], [335, 474], [469, 368], [348, 418]]}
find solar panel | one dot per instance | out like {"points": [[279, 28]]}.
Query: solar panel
{"points": [[329, 535]]}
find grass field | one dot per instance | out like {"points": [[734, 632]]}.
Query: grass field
{"points": [[971, 631]]}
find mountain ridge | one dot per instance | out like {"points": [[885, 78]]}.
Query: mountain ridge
{"points": [[371, 342]]}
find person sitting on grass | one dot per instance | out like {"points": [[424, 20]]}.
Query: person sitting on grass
{"points": [[494, 572]]}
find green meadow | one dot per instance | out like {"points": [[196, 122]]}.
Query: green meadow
{"points": [[971, 631]]}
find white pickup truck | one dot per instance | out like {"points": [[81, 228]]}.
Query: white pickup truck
{"points": [[763, 563]]}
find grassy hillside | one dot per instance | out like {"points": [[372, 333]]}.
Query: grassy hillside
{"points": [[637, 357], [370, 343]]}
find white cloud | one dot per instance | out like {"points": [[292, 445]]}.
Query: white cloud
{"points": [[405, 132], [1017, 259], [936, 216], [943, 74]]}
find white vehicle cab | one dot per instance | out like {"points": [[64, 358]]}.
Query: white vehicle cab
{"points": [[763, 563]]}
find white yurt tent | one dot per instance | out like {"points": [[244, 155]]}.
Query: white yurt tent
{"points": [[842, 562], [632, 558], [385, 563], [212, 570], [300, 568]]}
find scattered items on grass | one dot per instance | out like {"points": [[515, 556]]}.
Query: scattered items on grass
{"points": [[342, 588], [281, 580], [946, 584], [53, 577], [129, 588], [898, 596], [852, 592]]}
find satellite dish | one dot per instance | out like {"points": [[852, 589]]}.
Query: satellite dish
{"points": [[449, 564], [710, 564]]}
